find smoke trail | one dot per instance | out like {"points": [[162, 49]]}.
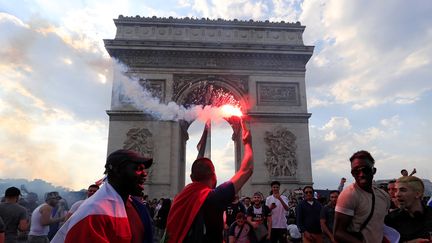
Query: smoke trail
{"points": [[128, 90]]}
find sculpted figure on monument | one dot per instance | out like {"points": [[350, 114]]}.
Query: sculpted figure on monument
{"points": [[139, 140], [281, 152]]}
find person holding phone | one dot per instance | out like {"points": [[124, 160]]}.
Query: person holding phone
{"points": [[278, 205]]}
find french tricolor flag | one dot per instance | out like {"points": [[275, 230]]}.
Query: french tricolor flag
{"points": [[101, 218]]}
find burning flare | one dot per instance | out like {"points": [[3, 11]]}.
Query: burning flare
{"points": [[228, 111]]}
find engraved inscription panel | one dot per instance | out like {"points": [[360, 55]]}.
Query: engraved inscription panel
{"points": [[155, 86], [272, 93]]}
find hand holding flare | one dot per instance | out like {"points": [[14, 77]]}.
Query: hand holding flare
{"points": [[247, 138], [232, 113]]}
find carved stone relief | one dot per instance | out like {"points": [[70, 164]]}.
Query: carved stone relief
{"points": [[271, 93], [141, 141], [281, 159]]}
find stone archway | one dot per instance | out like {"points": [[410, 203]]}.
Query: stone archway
{"points": [[260, 65]]}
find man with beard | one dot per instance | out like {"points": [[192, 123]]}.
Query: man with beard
{"points": [[361, 207], [259, 216], [113, 214], [412, 219]]}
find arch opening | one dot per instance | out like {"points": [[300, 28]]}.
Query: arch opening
{"points": [[222, 149], [224, 146]]}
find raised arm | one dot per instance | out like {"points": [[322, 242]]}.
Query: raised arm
{"points": [[246, 167]]}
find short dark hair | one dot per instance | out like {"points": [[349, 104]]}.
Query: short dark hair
{"points": [[202, 168], [392, 181], [12, 192], [334, 191], [275, 183], [94, 186], [306, 187], [403, 171], [364, 155]]}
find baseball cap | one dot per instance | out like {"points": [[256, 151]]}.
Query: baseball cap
{"points": [[122, 156], [12, 192], [52, 195]]}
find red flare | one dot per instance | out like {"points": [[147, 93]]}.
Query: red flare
{"points": [[230, 110]]}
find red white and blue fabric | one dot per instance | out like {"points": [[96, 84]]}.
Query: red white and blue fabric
{"points": [[102, 218], [184, 209]]}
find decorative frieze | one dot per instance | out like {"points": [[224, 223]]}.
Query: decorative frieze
{"points": [[277, 93], [205, 30], [211, 60]]}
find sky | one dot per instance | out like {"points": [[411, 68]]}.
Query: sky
{"points": [[368, 83]]}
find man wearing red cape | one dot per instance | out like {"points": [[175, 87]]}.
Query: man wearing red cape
{"points": [[197, 211]]}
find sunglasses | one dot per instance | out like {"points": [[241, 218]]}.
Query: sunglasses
{"points": [[365, 170]]}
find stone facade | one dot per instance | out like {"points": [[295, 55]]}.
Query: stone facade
{"points": [[261, 65]]}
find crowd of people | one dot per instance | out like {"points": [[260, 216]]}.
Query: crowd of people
{"points": [[118, 211]]}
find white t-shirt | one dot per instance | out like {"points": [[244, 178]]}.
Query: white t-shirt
{"points": [[278, 213], [75, 206], [354, 201]]}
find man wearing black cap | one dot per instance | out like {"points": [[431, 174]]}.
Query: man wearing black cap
{"points": [[112, 214], [13, 214]]}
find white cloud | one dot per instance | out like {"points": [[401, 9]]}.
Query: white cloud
{"points": [[369, 60], [50, 101]]}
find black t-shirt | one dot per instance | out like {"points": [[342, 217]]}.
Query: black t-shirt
{"points": [[409, 227], [231, 212], [2, 226], [259, 214], [212, 213]]}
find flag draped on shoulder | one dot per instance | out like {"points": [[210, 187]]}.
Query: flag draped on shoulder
{"points": [[184, 209], [101, 218]]}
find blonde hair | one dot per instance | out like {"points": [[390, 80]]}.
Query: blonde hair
{"points": [[414, 182]]}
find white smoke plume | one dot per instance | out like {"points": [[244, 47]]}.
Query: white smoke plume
{"points": [[128, 90]]}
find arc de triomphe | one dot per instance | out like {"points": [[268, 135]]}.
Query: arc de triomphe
{"points": [[259, 64]]}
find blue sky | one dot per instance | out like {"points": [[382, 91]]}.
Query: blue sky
{"points": [[368, 82]]}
